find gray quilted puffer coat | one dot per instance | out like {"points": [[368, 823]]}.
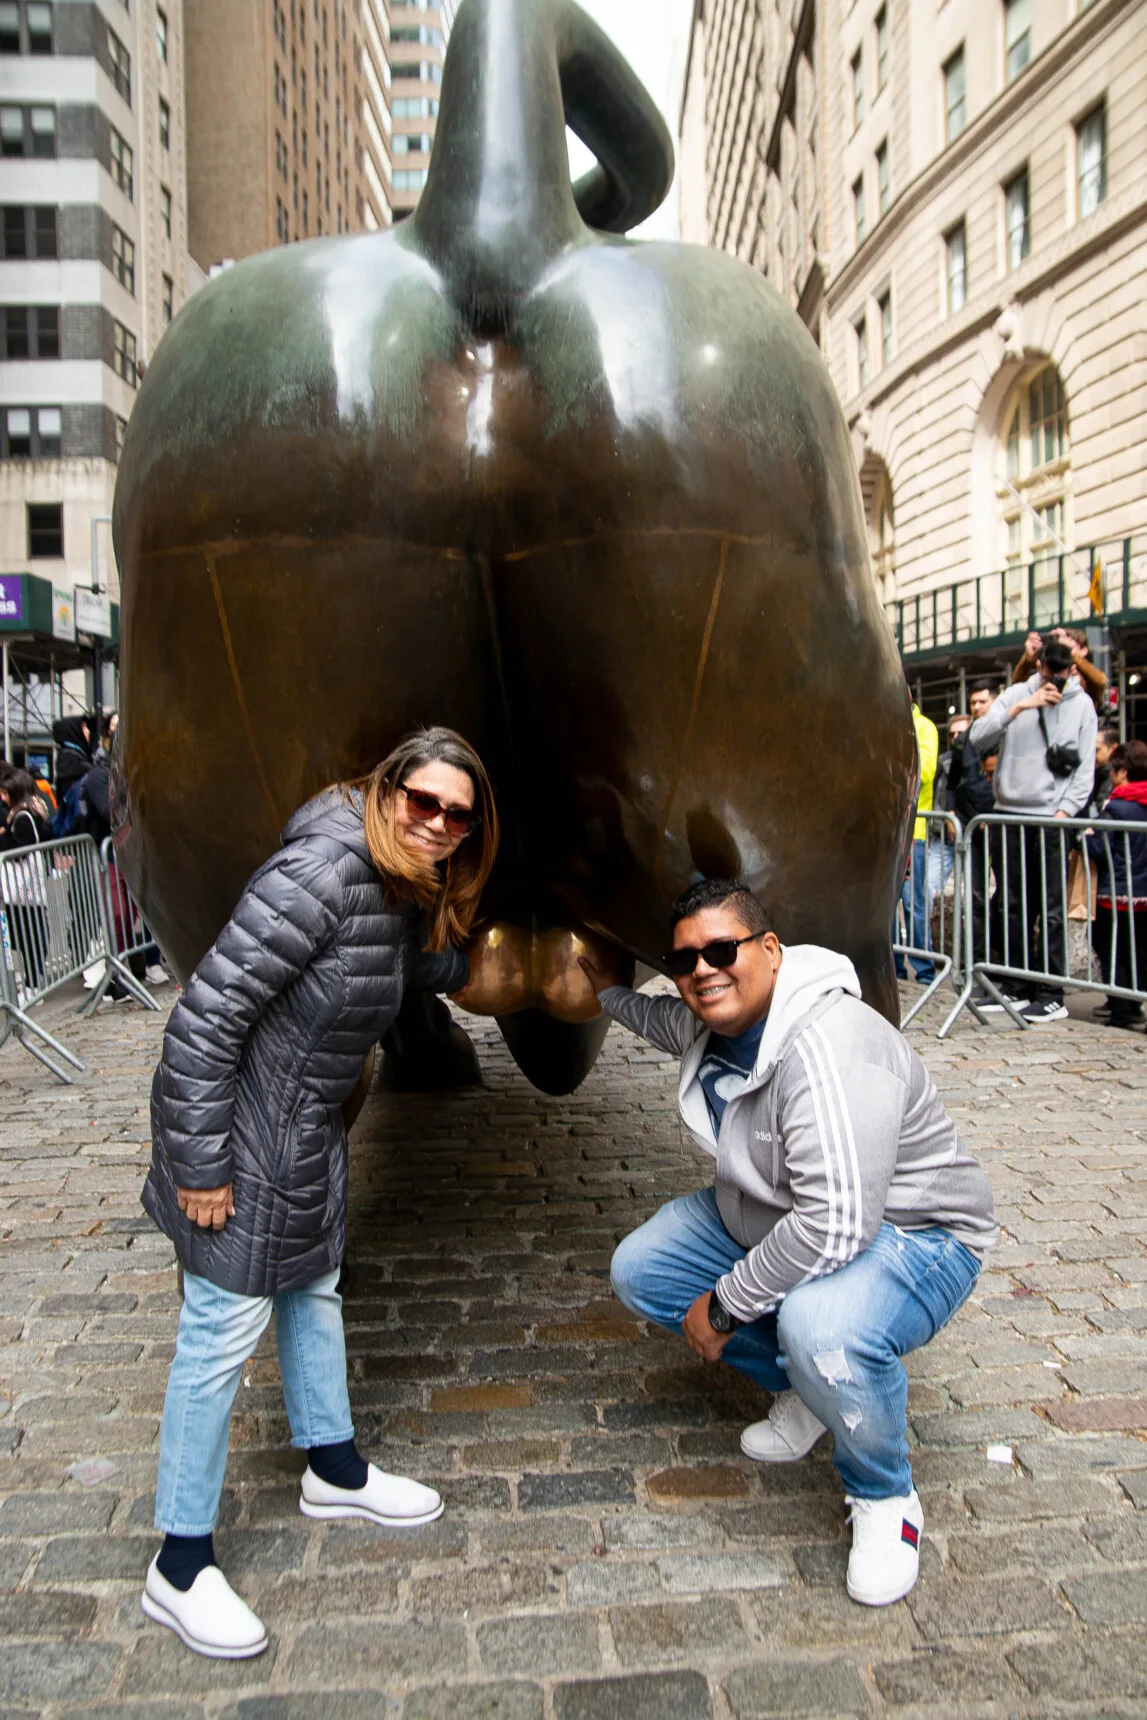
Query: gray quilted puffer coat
{"points": [[266, 1043]]}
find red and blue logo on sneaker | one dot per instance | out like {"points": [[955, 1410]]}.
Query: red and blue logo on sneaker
{"points": [[910, 1533]]}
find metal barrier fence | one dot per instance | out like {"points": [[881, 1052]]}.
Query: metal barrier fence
{"points": [[1024, 881], [56, 920], [125, 921], [933, 860]]}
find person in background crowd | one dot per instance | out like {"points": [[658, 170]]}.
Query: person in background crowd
{"points": [[73, 738], [914, 894], [847, 1223], [22, 899], [1045, 722], [1121, 893], [1091, 677], [942, 841], [970, 794], [1106, 741]]}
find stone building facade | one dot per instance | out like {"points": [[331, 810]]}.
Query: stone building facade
{"points": [[954, 198]]}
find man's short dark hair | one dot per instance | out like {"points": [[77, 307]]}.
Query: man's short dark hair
{"points": [[716, 893], [1056, 656], [1109, 734], [982, 687]]}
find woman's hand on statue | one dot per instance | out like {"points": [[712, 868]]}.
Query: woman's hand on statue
{"points": [[209, 1208], [1033, 644]]}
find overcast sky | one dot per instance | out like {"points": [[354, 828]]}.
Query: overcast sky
{"points": [[653, 35]]}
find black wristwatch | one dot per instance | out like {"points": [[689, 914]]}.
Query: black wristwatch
{"points": [[719, 1316]]}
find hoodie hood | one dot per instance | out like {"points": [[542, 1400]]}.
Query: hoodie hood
{"points": [[69, 732], [809, 976], [335, 815]]}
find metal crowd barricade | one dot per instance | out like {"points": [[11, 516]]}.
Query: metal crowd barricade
{"points": [[930, 866], [128, 933], [1019, 891], [54, 923]]}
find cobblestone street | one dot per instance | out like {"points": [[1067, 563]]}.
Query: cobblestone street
{"points": [[606, 1551]]}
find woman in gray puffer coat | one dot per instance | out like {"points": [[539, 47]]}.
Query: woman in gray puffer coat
{"points": [[249, 1155]]}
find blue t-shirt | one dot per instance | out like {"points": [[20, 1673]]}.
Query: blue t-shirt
{"points": [[727, 1067]]}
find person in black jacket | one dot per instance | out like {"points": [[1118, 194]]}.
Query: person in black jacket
{"points": [[970, 793], [249, 1156], [1119, 931], [73, 738], [23, 899]]}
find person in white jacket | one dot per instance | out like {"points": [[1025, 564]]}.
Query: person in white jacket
{"points": [[846, 1225]]}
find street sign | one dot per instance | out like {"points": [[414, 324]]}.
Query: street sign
{"points": [[63, 614], [93, 612], [11, 598]]}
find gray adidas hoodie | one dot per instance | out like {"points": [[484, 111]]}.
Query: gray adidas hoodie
{"points": [[838, 1129], [1023, 781]]}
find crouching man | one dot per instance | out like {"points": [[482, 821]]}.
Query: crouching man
{"points": [[847, 1223]]}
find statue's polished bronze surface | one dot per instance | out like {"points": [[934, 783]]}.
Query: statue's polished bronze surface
{"points": [[590, 502]]}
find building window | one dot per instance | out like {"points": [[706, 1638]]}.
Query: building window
{"points": [[415, 107], [25, 27], [857, 88], [418, 143], [29, 131], [881, 48], [164, 124], [886, 329], [120, 433], [1017, 205], [306, 214], [955, 102], [955, 246], [45, 530], [883, 178], [1091, 155], [31, 433], [408, 179], [122, 164], [168, 298], [861, 331], [161, 33], [425, 71], [1034, 491], [1017, 36], [32, 331], [858, 210], [123, 260], [165, 210], [124, 354], [119, 66], [30, 231]]}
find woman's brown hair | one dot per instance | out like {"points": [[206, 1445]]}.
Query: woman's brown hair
{"points": [[448, 894]]}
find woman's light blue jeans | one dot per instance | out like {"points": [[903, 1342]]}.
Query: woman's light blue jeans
{"points": [[217, 1333], [837, 1340]]}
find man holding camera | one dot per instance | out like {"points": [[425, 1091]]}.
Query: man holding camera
{"points": [[1044, 730]]}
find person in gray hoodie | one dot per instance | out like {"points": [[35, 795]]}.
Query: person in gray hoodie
{"points": [[1044, 731], [846, 1225]]}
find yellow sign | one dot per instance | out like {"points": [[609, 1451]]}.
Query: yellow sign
{"points": [[1095, 589]]}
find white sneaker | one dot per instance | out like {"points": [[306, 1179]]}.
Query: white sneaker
{"points": [[208, 1617], [156, 974], [885, 1558], [387, 1499], [788, 1432]]}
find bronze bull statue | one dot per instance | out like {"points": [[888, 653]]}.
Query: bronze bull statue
{"points": [[589, 501]]}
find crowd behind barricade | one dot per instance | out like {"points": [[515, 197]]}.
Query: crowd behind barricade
{"points": [[1044, 749], [35, 811]]}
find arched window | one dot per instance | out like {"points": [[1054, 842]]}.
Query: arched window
{"points": [[1034, 491], [876, 488]]}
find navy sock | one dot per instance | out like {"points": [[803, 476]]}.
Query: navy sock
{"points": [[182, 1557], [338, 1465]]}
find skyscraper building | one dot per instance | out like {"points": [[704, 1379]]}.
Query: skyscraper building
{"points": [[94, 262], [307, 117]]}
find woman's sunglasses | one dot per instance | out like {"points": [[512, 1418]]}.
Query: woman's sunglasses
{"points": [[721, 954], [459, 820]]}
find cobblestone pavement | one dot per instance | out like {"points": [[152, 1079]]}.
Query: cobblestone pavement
{"points": [[606, 1551]]}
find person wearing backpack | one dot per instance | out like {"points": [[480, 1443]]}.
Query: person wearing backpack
{"points": [[22, 897], [73, 738]]}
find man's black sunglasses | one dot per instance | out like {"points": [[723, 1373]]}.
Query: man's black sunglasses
{"points": [[721, 954]]}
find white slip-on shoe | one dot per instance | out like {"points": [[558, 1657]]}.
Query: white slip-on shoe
{"points": [[885, 1558], [209, 1617], [387, 1499], [788, 1432]]}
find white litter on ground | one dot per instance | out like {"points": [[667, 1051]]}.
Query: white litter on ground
{"points": [[91, 1471], [999, 1454]]}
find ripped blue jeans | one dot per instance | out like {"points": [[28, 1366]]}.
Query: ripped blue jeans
{"points": [[837, 1341]]}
